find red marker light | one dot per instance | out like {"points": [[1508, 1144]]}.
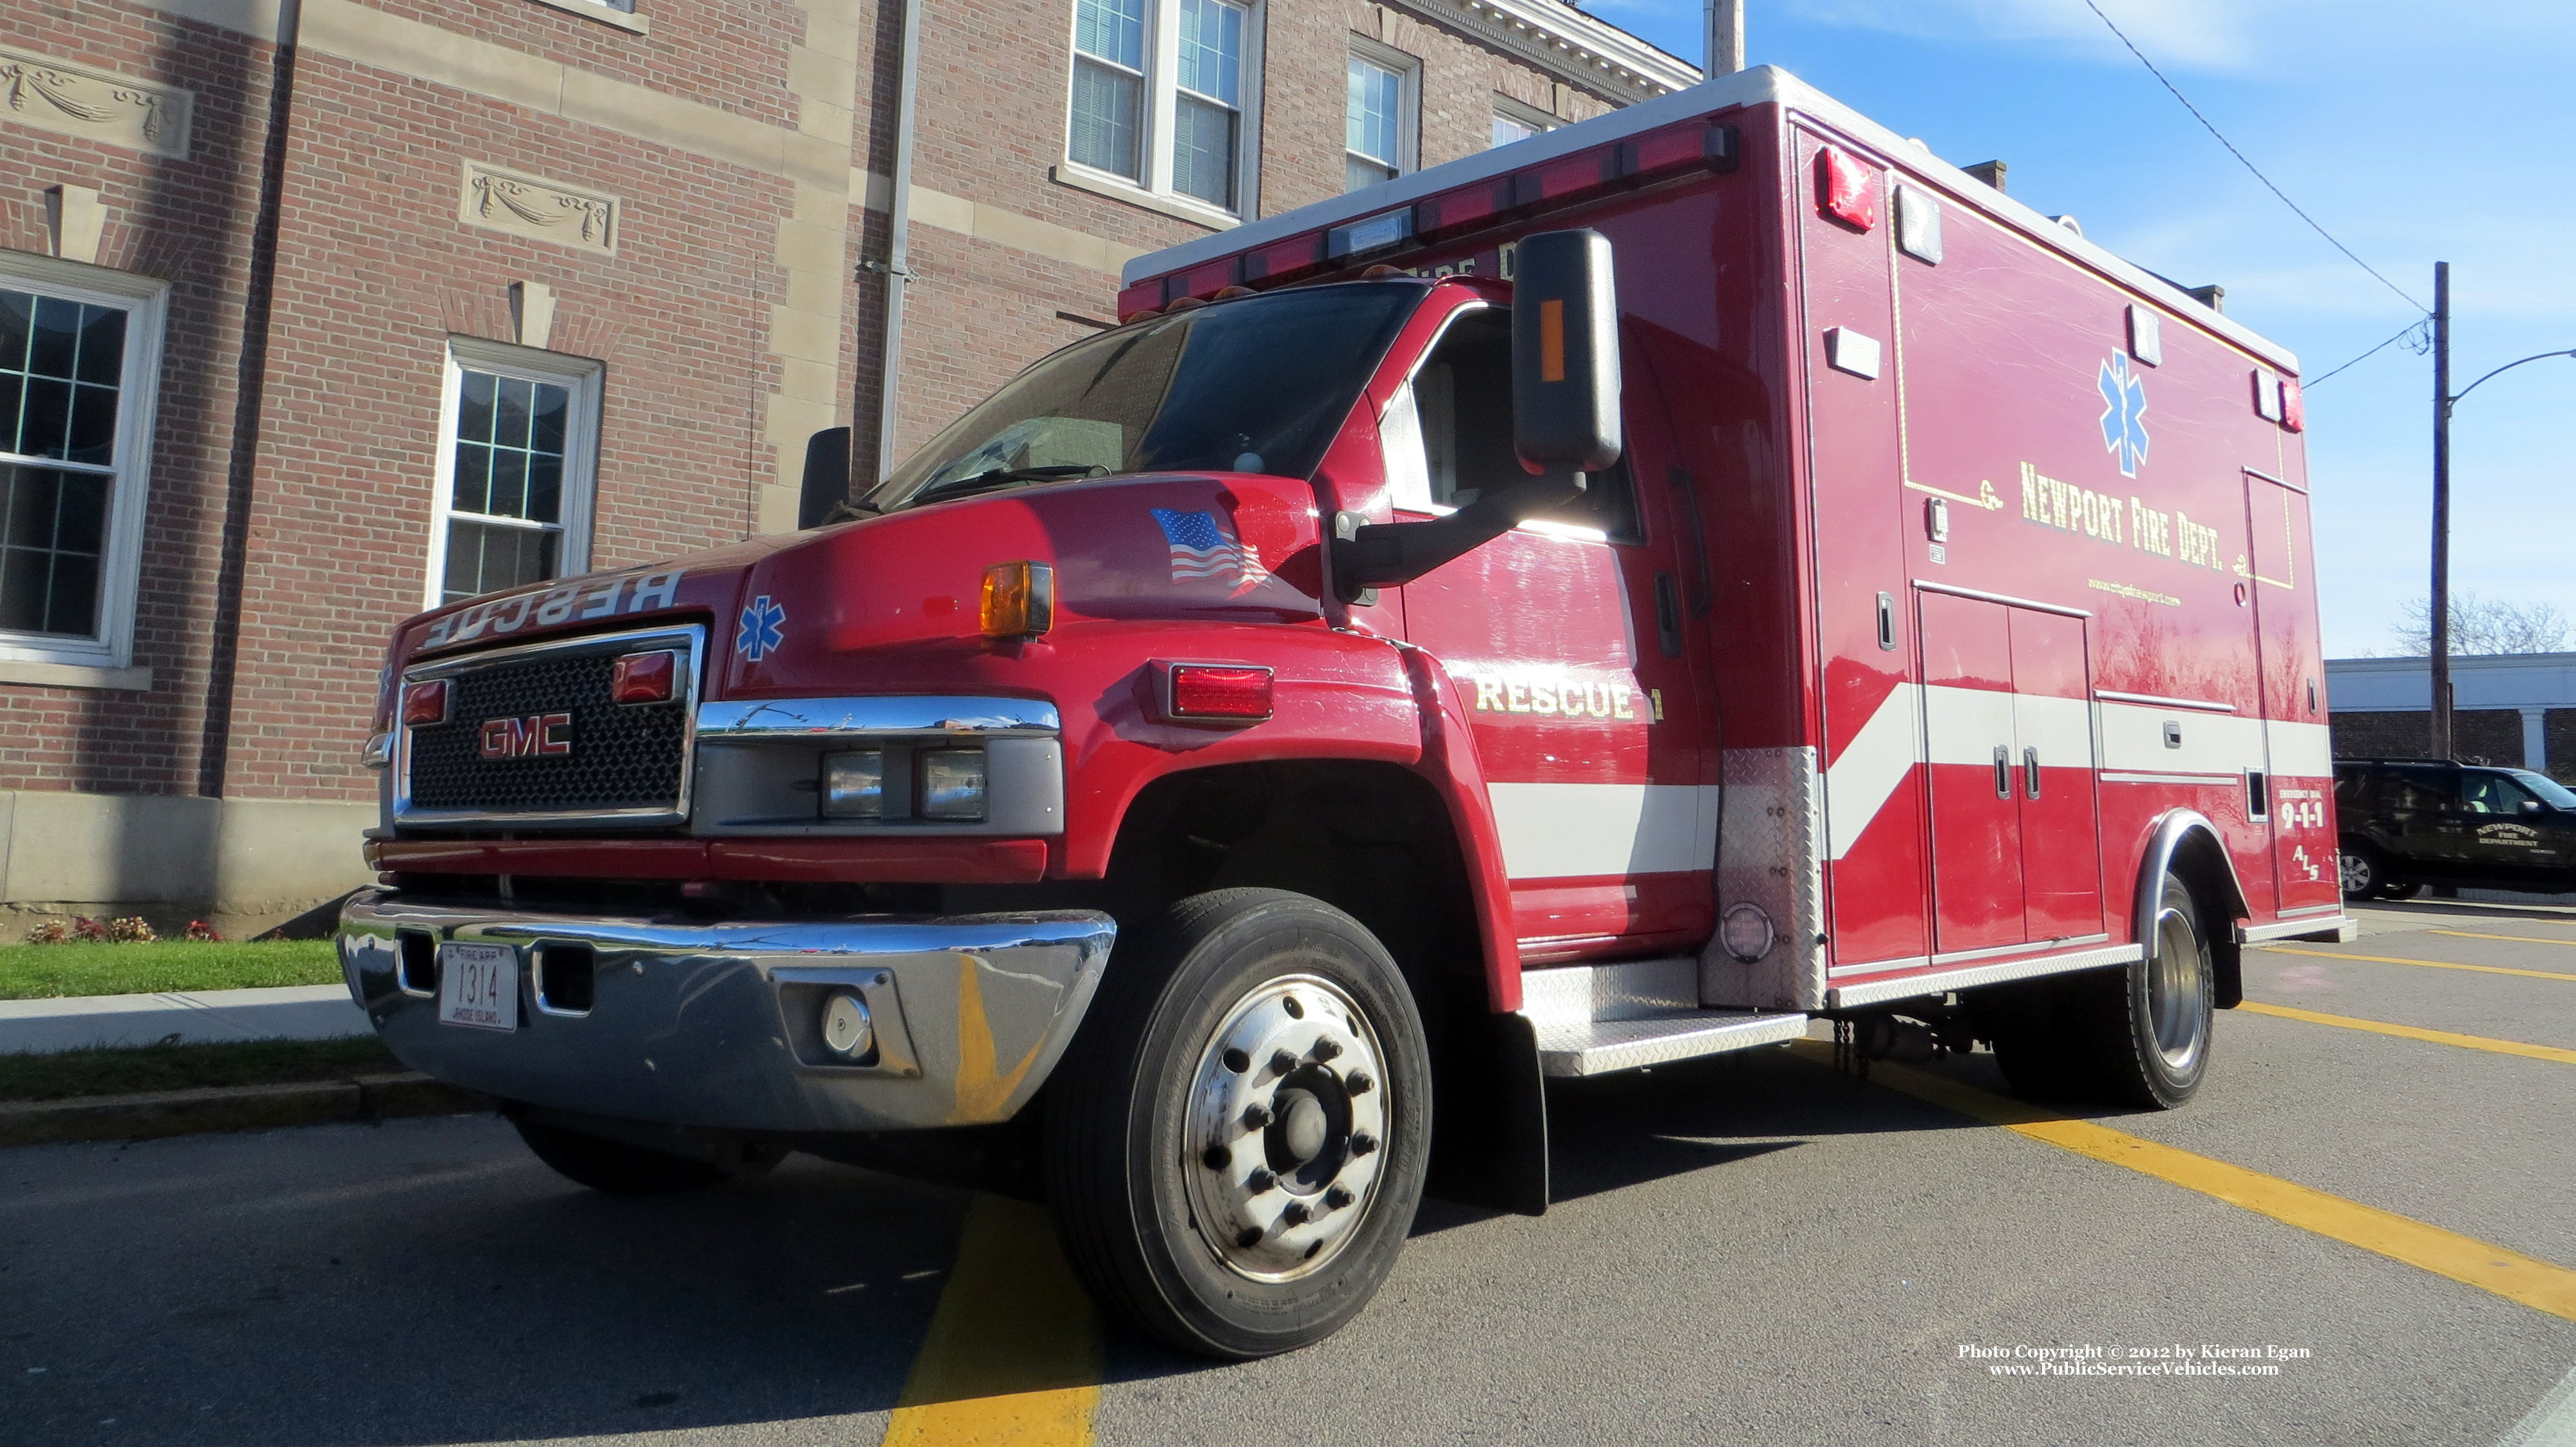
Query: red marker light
{"points": [[1230, 693], [645, 677], [1846, 188], [2294, 406], [424, 703]]}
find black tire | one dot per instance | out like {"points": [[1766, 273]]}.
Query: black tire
{"points": [[2364, 873], [616, 1167], [2399, 891], [1130, 1181], [2146, 1029]]}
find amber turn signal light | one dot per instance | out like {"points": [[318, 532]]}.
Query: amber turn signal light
{"points": [[1019, 600], [424, 703]]}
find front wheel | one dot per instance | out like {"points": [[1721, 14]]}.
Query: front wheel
{"points": [[1235, 1144], [2364, 877]]}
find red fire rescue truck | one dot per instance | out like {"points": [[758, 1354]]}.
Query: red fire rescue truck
{"points": [[1630, 595]]}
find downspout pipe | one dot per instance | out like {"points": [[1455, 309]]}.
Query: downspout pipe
{"points": [[898, 271]]}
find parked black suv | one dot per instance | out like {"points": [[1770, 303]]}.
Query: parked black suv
{"points": [[2411, 822]]}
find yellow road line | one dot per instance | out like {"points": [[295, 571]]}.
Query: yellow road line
{"points": [[2411, 1032], [2428, 964], [2535, 1283], [2515, 939], [1013, 1355]]}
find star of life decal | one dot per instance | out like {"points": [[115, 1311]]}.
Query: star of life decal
{"points": [[2124, 411], [764, 628]]}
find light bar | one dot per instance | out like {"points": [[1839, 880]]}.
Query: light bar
{"points": [[1376, 233]]}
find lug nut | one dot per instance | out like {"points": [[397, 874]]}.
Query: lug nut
{"points": [[1218, 1158], [1296, 1008], [1260, 1180], [1326, 1049], [1281, 1062], [1339, 1198], [1248, 1237], [1255, 1116], [1237, 1061], [1296, 1213], [1360, 1082], [1362, 1143]]}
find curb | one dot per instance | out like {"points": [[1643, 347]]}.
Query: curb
{"points": [[365, 1098]]}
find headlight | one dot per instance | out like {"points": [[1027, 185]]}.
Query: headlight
{"points": [[952, 784], [854, 785]]}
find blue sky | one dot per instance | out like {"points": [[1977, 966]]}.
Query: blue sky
{"points": [[2412, 132]]}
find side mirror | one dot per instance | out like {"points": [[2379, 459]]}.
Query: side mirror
{"points": [[827, 477], [1565, 416], [1565, 353], [2531, 806]]}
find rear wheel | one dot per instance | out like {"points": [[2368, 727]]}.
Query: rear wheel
{"points": [[1235, 1144], [614, 1166], [2364, 877], [2146, 1029]]}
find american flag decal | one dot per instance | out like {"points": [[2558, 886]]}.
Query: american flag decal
{"points": [[1205, 546]]}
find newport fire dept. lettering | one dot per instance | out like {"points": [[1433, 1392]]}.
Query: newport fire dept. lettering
{"points": [[2108, 518]]}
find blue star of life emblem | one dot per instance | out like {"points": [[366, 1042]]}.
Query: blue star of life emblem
{"points": [[2124, 428], [762, 628]]}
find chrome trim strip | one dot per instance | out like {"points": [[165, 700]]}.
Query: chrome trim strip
{"points": [[690, 637], [756, 718], [2212, 781], [2026, 947], [1880, 967], [2204, 705], [2248, 934], [2309, 909], [1853, 996], [2006, 598]]}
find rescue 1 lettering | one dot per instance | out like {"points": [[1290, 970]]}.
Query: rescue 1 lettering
{"points": [[2106, 518], [1551, 695], [589, 598]]}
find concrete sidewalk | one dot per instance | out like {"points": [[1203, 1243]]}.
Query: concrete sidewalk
{"points": [[293, 1012]]}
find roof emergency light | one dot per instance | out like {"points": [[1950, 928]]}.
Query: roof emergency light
{"points": [[1846, 189], [1374, 233]]}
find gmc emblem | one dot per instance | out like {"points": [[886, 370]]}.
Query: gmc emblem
{"points": [[539, 735]]}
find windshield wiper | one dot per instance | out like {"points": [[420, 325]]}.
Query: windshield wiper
{"points": [[1001, 476]]}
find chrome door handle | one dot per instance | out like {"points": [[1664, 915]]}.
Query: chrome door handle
{"points": [[2030, 771], [2003, 771]]}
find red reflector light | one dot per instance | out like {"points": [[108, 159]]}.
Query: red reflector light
{"points": [[645, 677], [1223, 691], [1846, 188], [424, 703]]}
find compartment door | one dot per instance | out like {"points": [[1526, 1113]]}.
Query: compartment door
{"points": [[1969, 739], [2299, 757], [2061, 846]]}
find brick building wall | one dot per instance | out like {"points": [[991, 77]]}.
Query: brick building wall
{"points": [[734, 155]]}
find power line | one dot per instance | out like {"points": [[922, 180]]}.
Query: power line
{"points": [[2250, 166], [2410, 329]]}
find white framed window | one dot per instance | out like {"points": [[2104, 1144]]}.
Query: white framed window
{"points": [[80, 369], [1514, 121], [1382, 118], [1165, 100], [517, 469]]}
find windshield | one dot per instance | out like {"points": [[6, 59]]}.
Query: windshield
{"points": [[1257, 385], [2551, 792]]}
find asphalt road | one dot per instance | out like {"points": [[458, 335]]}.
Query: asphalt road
{"points": [[1756, 1249]]}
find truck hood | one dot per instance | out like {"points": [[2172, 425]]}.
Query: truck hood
{"points": [[785, 614]]}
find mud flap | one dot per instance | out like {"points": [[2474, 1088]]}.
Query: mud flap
{"points": [[1489, 1128]]}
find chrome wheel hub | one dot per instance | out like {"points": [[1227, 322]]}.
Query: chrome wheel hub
{"points": [[2356, 873], [2178, 991], [1286, 1129]]}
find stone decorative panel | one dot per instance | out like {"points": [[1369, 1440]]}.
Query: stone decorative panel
{"points": [[98, 105], [524, 205]]}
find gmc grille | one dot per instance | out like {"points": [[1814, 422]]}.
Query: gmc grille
{"points": [[623, 757]]}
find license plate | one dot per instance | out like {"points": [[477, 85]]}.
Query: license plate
{"points": [[478, 986]]}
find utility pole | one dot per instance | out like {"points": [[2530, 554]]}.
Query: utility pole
{"points": [[1725, 37], [2440, 609]]}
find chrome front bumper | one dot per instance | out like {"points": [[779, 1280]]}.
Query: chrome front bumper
{"points": [[716, 1025]]}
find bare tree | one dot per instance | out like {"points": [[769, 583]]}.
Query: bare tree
{"points": [[2480, 628]]}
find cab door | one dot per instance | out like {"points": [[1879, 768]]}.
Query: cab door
{"points": [[1569, 647]]}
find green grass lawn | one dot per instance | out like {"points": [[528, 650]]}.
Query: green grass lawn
{"points": [[183, 1067], [35, 972]]}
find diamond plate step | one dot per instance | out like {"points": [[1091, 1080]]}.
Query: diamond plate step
{"points": [[1597, 1047]]}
